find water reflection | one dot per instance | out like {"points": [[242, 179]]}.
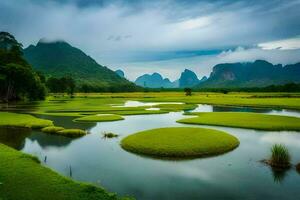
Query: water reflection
{"points": [[104, 162], [279, 174], [46, 141], [14, 137], [215, 108]]}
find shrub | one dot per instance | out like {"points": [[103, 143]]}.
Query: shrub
{"points": [[280, 156], [109, 135]]}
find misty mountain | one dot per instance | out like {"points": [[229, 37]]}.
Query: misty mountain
{"points": [[154, 80], [60, 59], [251, 74]]}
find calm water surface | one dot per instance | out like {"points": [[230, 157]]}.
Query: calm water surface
{"points": [[234, 175]]}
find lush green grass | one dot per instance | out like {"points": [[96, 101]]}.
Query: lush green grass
{"points": [[103, 103], [180, 142], [245, 120], [23, 120], [176, 107], [52, 129], [72, 132], [99, 118], [22, 177], [280, 156]]}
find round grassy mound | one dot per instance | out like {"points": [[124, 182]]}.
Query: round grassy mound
{"points": [[52, 129], [99, 118], [180, 142], [72, 132]]}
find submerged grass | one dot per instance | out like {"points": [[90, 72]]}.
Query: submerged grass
{"points": [[22, 177], [180, 142], [245, 120]]}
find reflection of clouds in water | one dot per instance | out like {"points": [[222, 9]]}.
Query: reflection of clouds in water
{"points": [[139, 103], [285, 113], [287, 138], [203, 108], [194, 172]]}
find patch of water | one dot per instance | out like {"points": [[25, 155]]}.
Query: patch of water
{"points": [[139, 103], [234, 175]]}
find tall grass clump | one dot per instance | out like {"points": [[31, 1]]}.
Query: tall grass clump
{"points": [[280, 156]]}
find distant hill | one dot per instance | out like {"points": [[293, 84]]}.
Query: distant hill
{"points": [[154, 80], [251, 74], [188, 79], [120, 73], [60, 59]]}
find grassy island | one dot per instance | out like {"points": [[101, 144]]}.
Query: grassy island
{"points": [[23, 120], [180, 142], [99, 118], [72, 133], [22, 177], [245, 120]]}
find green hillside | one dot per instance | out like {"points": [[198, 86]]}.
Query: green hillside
{"points": [[60, 59]]}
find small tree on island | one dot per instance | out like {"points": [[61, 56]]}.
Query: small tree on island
{"points": [[188, 91]]}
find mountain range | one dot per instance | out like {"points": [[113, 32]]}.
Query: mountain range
{"points": [[155, 80], [187, 79], [251, 74], [59, 59]]}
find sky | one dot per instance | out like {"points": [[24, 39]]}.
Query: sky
{"points": [[162, 36]]}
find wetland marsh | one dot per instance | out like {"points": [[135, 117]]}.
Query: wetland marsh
{"points": [[103, 162]]}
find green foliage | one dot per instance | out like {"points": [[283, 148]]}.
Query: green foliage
{"points": [[52, 129], [61, 85], [180, 142], [188, 91], [17, 79], [245, 120], [23, 120], [72, 132], [280, 156], [22, 177]]}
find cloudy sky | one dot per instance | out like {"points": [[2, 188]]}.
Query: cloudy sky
{"points": [[162, 36]]}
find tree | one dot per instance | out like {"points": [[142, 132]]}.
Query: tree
{"points": [[188, 91], [70, 85], [64, 84], [17, 79]]}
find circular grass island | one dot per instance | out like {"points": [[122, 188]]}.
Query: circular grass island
{"points": [[180, 142]]}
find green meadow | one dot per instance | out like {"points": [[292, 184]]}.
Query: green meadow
{"points": [[21, 172], [245, 120], [23, 177]]}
